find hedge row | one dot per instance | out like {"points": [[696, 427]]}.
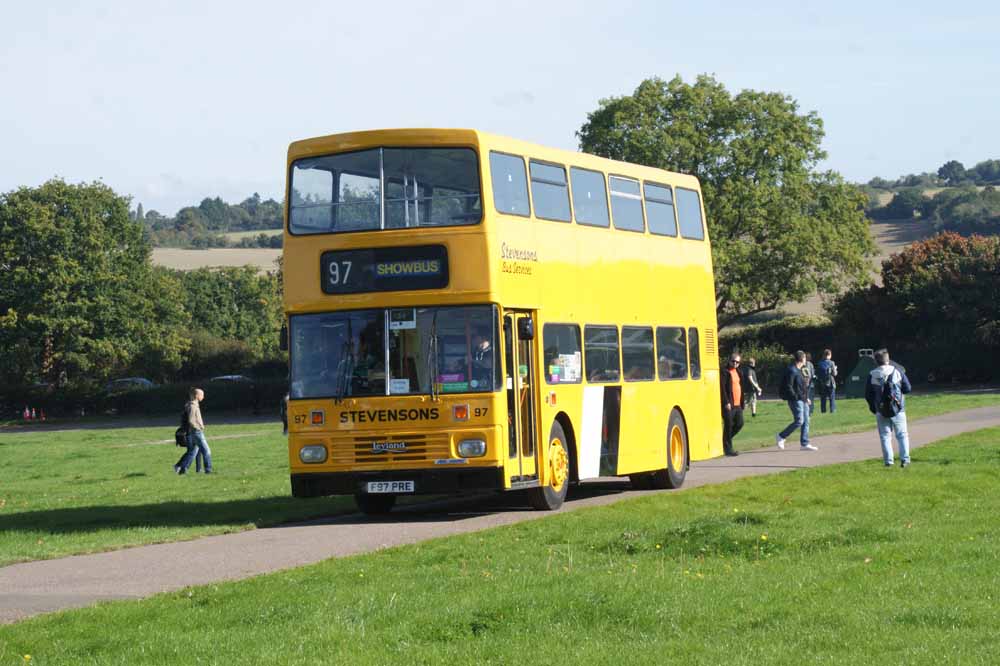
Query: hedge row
{"points": [[259, 397]]}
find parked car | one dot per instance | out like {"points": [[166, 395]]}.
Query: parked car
{"points": [[128, 384], [231, 378]]}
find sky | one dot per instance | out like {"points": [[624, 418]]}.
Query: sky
{"points": [[172, 102]]}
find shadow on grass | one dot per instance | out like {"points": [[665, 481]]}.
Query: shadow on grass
{"points": [[262, 512], [275, 511]]}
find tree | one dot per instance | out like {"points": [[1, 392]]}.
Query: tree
{"points": [[952, 172], [939, 306], [140, 215], [79, 298], [904, 203], [781, 230], [236, 304]]}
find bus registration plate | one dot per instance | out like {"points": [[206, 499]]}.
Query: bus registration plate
{"points": [[390, 486]]}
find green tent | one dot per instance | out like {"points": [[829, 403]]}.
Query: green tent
{"points": [[855, 385], [858, 377]]}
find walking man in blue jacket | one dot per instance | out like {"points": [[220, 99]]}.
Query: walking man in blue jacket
{"points": [[794, 391], [884, 393]]}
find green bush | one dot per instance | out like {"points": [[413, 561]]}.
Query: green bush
{"points": [[211, 355]]}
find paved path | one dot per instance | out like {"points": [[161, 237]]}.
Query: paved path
{"points": [[32, 588]]}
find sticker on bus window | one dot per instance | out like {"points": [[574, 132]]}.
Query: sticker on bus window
{"points": [[399, 386], [451, 378], [454, 387]]}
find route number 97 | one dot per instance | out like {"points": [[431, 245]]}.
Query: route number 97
{"points": [[339, 272]]}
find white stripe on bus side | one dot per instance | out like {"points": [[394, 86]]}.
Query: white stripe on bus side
{"points": [[590, 437]]}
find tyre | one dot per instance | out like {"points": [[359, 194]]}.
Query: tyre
{"points": [[374, 505], [677, 455], [552, 496]]}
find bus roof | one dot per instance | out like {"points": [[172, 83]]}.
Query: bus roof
{"points": [[351, 141]]}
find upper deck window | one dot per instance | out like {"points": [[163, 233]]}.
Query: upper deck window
{"points": [[626, 204], [385, 188], [549, 192], [590, 199], [689, 213], [510, 185], [660, 209]]}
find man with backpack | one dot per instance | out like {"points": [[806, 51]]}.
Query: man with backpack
{"points": [[826, 381], [793, 390], [884, 393], [196, 442]]}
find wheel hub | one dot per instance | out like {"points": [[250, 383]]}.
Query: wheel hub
{"points": [[558, 464]]}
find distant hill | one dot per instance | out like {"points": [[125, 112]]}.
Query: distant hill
{"points": [[206, 224]]}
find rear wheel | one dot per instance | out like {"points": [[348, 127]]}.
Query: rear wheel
{"points": [[374, 505], [677, 455], [552, 496]]}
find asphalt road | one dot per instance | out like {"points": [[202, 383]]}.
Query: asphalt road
{"points": [[33, 588]]}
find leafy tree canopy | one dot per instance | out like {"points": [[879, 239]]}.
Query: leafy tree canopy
{"points": [[781, 230], [939, 306], [78, 298]]}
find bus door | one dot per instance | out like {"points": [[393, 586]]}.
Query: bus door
{"points": [[520, 373]]}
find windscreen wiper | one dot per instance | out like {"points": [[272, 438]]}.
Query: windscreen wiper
{"points": [[432, 356], [344, 377]]}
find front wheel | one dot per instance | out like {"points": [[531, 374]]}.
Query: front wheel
{"points": [[374, 505], [552, 496], [677, 455]]}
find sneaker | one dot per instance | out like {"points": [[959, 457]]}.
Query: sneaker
{"points": [[780, 441], [808, 447], [904, 464], [177, 469], [888, 464], [732, 454]]}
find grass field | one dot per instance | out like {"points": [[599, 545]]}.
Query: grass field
{"points": [[91, 490], [98, 489], [853, 564], [187, 260]]}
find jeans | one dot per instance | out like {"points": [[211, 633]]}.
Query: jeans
{"points": [[197, 444], [886, 427], [800, 416], [833, 400]]}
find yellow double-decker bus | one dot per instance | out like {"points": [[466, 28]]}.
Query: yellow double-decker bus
{"points": [[470, 312]]}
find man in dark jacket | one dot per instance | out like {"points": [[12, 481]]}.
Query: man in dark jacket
{"points": [[794, 391], [732, 404]]}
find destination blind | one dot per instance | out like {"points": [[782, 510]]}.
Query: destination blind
{"points": [[384, 269]]}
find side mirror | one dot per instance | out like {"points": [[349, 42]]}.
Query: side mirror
{"points": [[283, 339], [526, 329]]}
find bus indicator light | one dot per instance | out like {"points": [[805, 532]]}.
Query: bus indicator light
{"points": [[460, 413], [317, 417]]}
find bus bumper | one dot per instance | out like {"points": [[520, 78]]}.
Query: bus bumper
{"points": [[426, 481]]}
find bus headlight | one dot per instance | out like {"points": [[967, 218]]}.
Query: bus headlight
{"points": [[313, 454], [472, 448]]}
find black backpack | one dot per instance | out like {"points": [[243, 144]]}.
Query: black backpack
{"points": [[890, 401], [181, 434]]}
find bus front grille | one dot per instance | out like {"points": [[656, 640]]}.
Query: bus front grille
{"points": [[402, 448]]}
